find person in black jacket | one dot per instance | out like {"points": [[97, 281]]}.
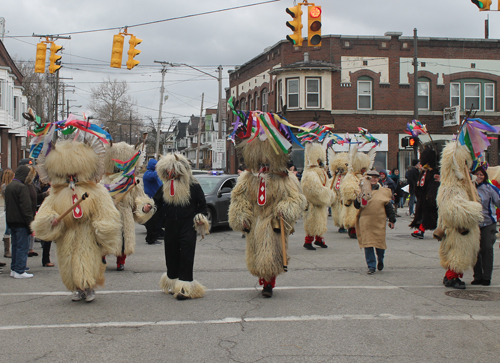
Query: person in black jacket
{"points": [[412, 179], [19, 217], [182, 201]]}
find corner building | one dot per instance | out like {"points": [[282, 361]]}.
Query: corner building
{"points": [[368, 81]]}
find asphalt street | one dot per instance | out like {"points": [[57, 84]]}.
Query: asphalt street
{"points": [[324, 309]]}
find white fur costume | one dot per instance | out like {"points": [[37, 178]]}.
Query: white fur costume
{"points": [[459, 215], [131, 206], [338, 165], [80, 242], [359, 163], [316, 189], [185, 206], [264, 256]]}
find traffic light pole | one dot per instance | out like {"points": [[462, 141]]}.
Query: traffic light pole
{"points": [[162, 90]]}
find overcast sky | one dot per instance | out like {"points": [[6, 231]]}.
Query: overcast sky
{"points": [[229, 38]]}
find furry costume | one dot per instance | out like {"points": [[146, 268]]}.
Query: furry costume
{"points": [[80, 242], [186, 210], [459, 213], [426, 211], [131, 206], [359, 163], [339, 163], [319, 196], [283, 196]]}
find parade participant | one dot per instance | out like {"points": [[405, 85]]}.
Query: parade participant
{"points": [[426, 211], [338, 165], [151, 185], [185, 210], [374, 205], [459, 215], [7, 177], [267, 199], [412, 180], [490, 198], [84, 232], [359, 164], [318, 194], [121, 163]]}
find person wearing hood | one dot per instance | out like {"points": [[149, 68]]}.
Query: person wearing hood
{"points": [[19, 214], [152, 183], [387, 182]]}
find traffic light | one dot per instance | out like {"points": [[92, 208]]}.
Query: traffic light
{"points": [[483, 5], [55, 59], [41, 54], [296, 25], [408, 142], [117, 51], [314, 26], [132, 52], [412, 141]]}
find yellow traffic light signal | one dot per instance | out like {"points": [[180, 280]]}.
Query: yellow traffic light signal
{"points": [[41, 54], [132, 52], [296, 25], [55, 59], [314, 26], [117, 51], [484, 5]]}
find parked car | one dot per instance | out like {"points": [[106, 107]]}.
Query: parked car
{"points": [[217, 189]]}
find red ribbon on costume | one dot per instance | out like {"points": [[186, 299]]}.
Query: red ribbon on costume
{"points": [[261, 198], [422, 181], [337, 186], [77, 211], [172, 191]]}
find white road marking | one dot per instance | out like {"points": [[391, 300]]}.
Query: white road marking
{"points": [[278, 319]]}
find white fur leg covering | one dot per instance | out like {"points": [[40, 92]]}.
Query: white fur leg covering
{"points": [[192, 289], [166, 284], [204, 228]]}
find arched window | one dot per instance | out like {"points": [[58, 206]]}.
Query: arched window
{"points": [[263, 100]]}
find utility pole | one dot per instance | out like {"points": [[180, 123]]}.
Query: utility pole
{"points": [[162, 90], [219, 105], [199, 134], [415, 88], [130, 129]]}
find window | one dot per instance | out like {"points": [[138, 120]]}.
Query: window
{"points": [[16, 108], [312, 96], [423, 95], [1, 85], [256, 101], [243, 105], [263, 100], [489, 97], [279, 99], [472, 96], [364, 95], [250, 103], [292, 93], [455, 94]]}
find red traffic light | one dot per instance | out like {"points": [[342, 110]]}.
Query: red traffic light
{"points": [[412, 141], [315, 12]]}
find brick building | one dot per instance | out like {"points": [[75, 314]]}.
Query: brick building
{"points": [[368, 81], [12, 104]]}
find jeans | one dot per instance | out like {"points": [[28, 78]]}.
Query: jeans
{"points": [[371, 261], [411, 203], [401, 202], [7, 229], [484, 265], [20, 247]]}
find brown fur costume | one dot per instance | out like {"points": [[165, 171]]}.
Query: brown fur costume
{"points": [[459, 214], [264, 256], [80, 242], [316, 189], [184, 209], [131, 206], [339, 163], [359, 163]]}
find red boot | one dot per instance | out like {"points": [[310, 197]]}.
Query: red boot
{"points": [[320, 241], [267, 291], [120, 262], [308, 243]]}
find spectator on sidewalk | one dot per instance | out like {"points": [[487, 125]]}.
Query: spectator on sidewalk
{"points": [[19, 217], [412, 179], [152, 183], [7, 177]]}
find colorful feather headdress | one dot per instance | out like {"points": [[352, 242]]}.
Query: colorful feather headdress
{"points": [[415, 128], [264, 125], [125, 178], [472, 135]]}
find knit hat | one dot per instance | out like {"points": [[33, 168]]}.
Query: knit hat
{"points": [[373, 173]]}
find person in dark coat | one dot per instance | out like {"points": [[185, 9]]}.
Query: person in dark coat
{"points": [[412, 180], [426, 212], [19, 214], [152, 184]]}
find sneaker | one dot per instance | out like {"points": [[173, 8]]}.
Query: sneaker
{"points": [[486, 282], [455, 283], [342, 230], [12, 273], [309, 246], [89, 295], [78, 295], [120, 268], [321, 243], [181, 297], [24, 275], [380, 266], [371, 271], [476, 282], [267, 291], [32, 253], [418, 234]]}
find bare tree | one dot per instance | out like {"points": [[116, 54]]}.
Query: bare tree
{"points": [[115, 109], [36, 87]]}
